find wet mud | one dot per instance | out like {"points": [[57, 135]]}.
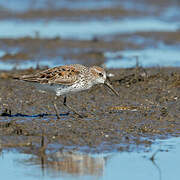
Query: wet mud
{"points": [[147, 109], [114, 10], [67, 14]]}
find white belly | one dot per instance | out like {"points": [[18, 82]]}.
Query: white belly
{"points": [[62, 89]]}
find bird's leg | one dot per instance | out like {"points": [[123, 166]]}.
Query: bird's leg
{"points": [[72, 109], [56, 109]]}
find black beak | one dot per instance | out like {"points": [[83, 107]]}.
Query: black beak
{"points": [[110, 87]]}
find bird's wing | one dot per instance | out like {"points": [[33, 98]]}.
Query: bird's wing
{"points": [[66, 75]]}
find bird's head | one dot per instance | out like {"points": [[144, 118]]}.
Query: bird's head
{"points": [[99, 74], [101, 77]]}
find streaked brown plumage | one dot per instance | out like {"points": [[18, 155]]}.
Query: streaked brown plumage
{"points": [[68, 79]]}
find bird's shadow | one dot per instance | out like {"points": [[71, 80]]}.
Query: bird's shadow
{"points": [[8, 114]]}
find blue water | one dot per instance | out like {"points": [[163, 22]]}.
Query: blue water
{"points": [[84, 29], [76, 165], [166, 56], [160, 57], [20, 6], [2, 53], [146, 58], [9, 65]]}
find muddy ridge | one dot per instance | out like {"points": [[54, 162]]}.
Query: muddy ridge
{"points": [[69, 14]]}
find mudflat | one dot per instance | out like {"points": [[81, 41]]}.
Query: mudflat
{"points": [[148, 108]]}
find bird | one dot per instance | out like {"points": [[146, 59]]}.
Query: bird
{"points": [[67, 79]]}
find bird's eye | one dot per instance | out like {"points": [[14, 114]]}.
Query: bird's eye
{"points": [[100, 74]]}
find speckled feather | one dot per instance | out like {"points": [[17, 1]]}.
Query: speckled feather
{"points": [[67, 79], [66, 75]]}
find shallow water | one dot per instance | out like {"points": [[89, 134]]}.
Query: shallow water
{"points": [[146, 58], [83, 29], [76, 165], [9, 65], [160, 57], [166, 21], [19, 5]]}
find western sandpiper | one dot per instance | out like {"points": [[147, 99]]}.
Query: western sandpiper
{"points": [[68, 79]]}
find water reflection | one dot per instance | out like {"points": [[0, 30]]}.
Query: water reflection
{"points": [[158, 169], [71, 163], [62, 164]]}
